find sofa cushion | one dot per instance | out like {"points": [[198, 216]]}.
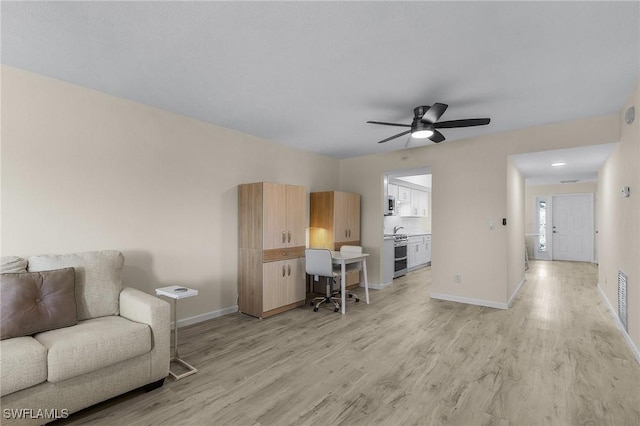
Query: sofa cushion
{"points": [[24, 364], [93, 344], [31, 302], [98, 281], [12, 264]]}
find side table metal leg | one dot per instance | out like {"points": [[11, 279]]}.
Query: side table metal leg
{"points": [[176, 358]]}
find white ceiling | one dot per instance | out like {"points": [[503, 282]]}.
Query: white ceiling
{"points": [[582, 164], [310, 74]]}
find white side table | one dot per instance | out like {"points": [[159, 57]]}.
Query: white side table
{"points": [[176, 292]]}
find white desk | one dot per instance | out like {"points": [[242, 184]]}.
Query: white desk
{"points": [[176, 292], [343, 259]]}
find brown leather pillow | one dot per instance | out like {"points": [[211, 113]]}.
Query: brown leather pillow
{"points": [[32, 302]]}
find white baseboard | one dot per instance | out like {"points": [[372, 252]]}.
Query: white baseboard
{"points": [[207, 316], [469, 301], [376, 286], [614, 314], [515, 293]]}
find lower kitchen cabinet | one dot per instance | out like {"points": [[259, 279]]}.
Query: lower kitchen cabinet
{"points": [[418, 251]]}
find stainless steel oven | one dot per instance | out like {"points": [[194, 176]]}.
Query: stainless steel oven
{"points": [[400, 255]]}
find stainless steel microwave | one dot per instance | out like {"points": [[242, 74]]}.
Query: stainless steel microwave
{"points": [[390, 206]]}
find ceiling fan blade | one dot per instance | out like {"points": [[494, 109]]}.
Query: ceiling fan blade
{"points": [[437, 137], [462, 123], [389, 124], [434, 113], [395, 136]]}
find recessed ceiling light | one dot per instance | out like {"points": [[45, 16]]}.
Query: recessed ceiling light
{"points": [[558, 164]]}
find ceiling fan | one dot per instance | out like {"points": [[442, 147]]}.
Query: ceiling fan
{"points": [[425, 123]]}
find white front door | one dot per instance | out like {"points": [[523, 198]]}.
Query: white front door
{"points": [[572, 227]]}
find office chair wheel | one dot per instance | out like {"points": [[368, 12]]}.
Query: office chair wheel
{"points": [[357, 300], [315, 309], [350, 295], [336, 309], [311, 303]]}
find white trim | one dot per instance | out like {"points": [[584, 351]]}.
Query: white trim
{"points": [[469, 301], [206, 316], [513, 296], [627, 338]]}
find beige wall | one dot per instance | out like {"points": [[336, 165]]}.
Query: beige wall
{"points": [[619, 219], [82, 170], [469, 189], [533, 191], [515, 229]]}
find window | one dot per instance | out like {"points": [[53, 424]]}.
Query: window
{"points": [[542, 226]]}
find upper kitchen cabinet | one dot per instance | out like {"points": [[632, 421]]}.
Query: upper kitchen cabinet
{"points": [[334, 219], [404, 194], [419, 203]]}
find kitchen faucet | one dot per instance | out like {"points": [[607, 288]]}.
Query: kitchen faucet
{"points": [[397, 228]]}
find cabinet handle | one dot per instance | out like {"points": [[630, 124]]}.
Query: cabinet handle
{"points": [[289, 270], [284, 236], [416, 249], [346, 233], [289, 236], [349, 233], [283, 271]]}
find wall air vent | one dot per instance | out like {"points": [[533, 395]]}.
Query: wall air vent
{"points": [[569, 181], [622, 299]]}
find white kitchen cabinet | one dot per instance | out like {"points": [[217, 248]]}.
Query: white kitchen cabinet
{"points": [[427, 248], [419, 203], [418, 251], [404, 194]]}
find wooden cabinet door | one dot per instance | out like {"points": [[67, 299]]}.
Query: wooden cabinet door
{"points": [[346, 216], [274, 216], [283, 283], [296, 281], [353, 216], [296, 216], [273, 284], [340, 217]]}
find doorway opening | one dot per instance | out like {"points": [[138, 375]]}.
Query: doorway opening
{"points": [[565, 227]]}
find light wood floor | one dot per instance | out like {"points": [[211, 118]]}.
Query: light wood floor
{"points": [[554, 358]]}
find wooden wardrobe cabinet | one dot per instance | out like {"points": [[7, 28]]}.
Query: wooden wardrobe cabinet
{"points": [[335, 221], [271, 243]]}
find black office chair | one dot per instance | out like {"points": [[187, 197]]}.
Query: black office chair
{"points": [[318, 263]]}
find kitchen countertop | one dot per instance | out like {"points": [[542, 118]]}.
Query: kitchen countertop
{"points": [[390, 236]]}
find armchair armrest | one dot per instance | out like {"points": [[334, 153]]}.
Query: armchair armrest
{"points": [[138, 306]]}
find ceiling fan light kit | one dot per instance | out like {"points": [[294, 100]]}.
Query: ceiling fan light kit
{"points": [[421, 130], [425, 123]]}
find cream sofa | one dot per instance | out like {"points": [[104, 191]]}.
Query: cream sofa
{"points": [[119, 342]]}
